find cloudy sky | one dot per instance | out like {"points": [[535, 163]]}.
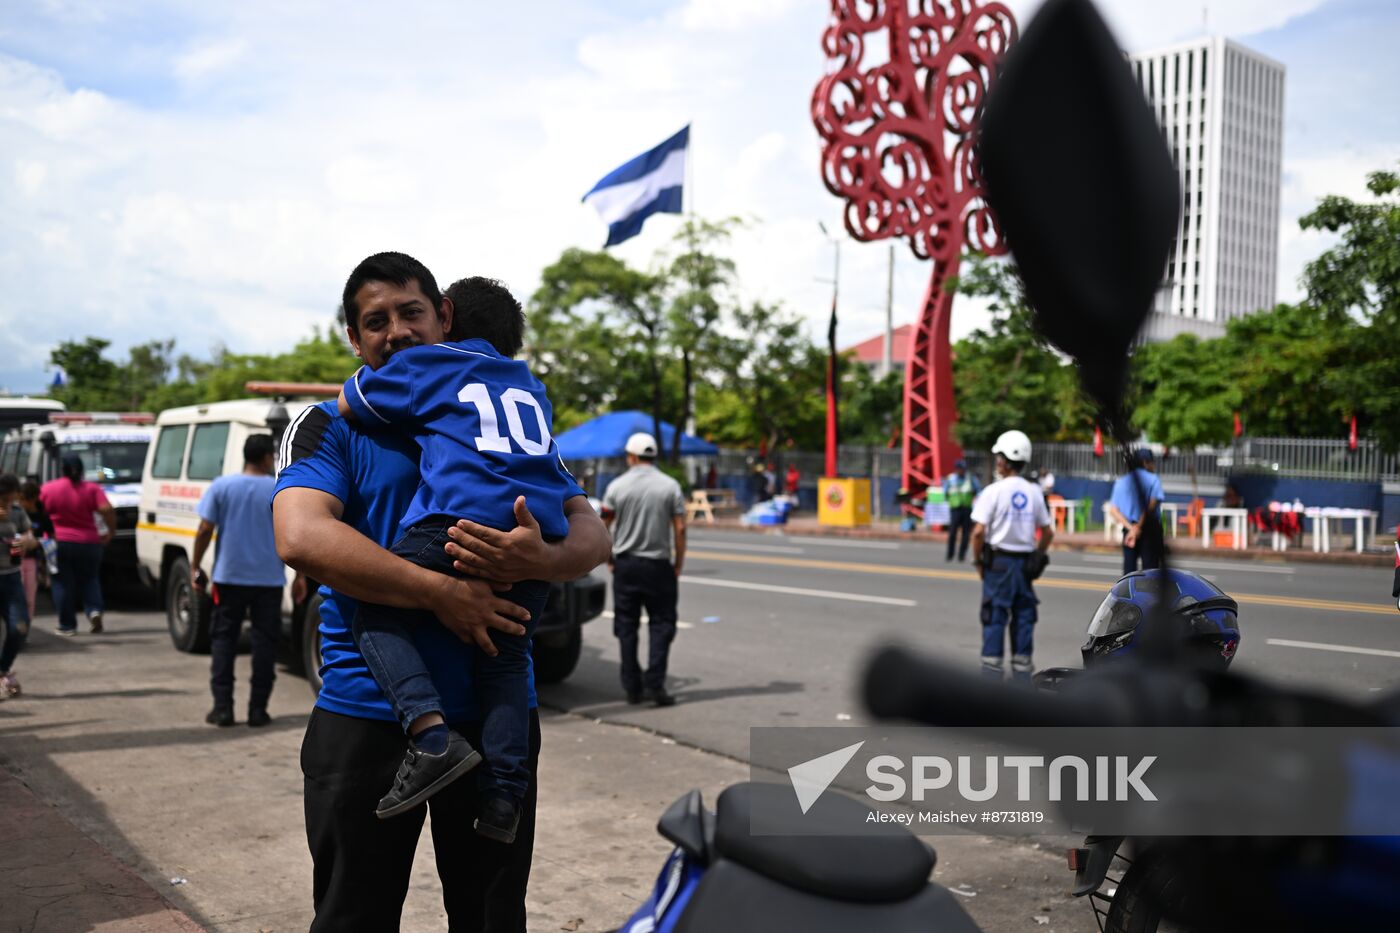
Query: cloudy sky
{"points": [[212, 171]]}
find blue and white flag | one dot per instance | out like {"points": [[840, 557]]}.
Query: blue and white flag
{"points": [[649, 184]]}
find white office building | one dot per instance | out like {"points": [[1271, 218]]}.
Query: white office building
{"points": [[1221, 110]]}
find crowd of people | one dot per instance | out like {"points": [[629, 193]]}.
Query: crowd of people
{"points": [[56, 533]]}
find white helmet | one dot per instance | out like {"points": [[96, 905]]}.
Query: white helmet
{"points": [[1013, 445]]}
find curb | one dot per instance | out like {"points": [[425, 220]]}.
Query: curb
{"points": [[1087, 542]]}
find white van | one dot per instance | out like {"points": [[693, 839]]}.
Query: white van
{"points": [[199, 442], [112, 446], [192, 446]]}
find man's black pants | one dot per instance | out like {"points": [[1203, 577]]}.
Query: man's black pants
{"points": [[362, 863], [264, 603], [643, 582], [1143, 550], [960, 520]]}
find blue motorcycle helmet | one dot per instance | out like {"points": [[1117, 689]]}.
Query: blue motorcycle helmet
{"points": [[1213, 618]]}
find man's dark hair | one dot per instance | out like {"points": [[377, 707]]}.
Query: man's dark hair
{"points": [[257, 448], [9, 483], [29, 489], [396, 268], [484, 309], [1015, 466]]}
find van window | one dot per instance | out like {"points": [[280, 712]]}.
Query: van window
{"points": [[170, 450], [108, 461], [9, 463], [207, 451], [22, 463]]}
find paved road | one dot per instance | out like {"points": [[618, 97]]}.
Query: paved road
{"points": [[110, 728], [110, 731], [775, 628]]}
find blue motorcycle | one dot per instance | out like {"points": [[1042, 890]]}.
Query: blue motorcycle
{"points": [[723, 877]]}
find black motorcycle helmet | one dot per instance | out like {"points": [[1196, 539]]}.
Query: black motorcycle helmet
{"points": [[1212, 630]]}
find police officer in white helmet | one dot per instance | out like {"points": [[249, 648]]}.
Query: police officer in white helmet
{"points": [[1006, 518]]}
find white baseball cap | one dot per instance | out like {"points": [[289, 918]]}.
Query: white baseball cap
{"points": [[641, 444]]}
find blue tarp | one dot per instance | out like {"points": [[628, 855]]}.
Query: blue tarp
{"points": [[606, 435]]}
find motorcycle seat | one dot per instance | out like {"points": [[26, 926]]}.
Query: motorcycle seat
{"points": [[736, 899], [848, 863]]}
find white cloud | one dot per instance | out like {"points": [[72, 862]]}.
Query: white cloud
{"points": [[216, 182], [731, 14], [206, 58], [30, 176]]}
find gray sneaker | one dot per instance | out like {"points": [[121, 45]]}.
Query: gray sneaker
{"points": [[422, 775]]}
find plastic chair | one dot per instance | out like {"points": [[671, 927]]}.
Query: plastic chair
{"points": [[1060, 514], [1192, 518]]}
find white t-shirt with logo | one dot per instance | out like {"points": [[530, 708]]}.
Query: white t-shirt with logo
{"points": [[1012, 509]]}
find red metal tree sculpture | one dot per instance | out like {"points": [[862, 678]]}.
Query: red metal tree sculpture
{"points": [[898, 118]]}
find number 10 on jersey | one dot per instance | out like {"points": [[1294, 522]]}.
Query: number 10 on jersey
{"points": [[490, 439]]}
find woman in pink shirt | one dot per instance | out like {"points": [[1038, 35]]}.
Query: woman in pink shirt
{"points": [[71, 502]]}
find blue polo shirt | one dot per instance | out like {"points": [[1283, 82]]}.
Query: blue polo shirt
{"points": [[374, 476], [245, 553], [1125, 495], [483, 422]]}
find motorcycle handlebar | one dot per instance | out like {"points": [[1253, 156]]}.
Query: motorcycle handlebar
{"points": [[900, 685]]}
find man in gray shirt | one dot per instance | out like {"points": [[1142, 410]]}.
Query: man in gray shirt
{"points": [[643, 508]]}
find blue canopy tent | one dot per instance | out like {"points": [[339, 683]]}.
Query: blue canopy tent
{"points": [[606, 435]]}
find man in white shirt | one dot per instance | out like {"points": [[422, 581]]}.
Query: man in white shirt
{"points": [[1005, 520]]}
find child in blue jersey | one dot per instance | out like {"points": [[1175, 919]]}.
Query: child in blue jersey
{"points": [[483, 423]]}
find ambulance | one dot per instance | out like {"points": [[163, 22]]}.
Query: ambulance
{"points": [[112, 446], [195, 444]]}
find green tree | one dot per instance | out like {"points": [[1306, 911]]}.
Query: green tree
{"points": [[872, 408], [700, 282], [1187, 393], [153, 379], [1289, 367], [773, 382], [597, 329], [93, 381], [1358, 281]]}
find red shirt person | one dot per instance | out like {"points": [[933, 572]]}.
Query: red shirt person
{"points": [[72, 502]]}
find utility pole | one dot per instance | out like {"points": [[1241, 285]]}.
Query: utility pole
{"points": [[887, 359]]}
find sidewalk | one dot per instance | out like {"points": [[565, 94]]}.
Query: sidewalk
{"points": [[1090, 541], [111, 785], [56, 878]]}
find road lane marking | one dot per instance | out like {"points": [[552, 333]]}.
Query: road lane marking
{"points": [[1197, 564], [799, 591], [804, 541], [1258, 599], [760, 548], [838, 542], [608, 614], [1100, 571], [1344, 649]]}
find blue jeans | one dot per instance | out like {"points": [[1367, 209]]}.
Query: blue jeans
{"points": [[78, 577], [384, 635], [1008, 597], [16, 609]]}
